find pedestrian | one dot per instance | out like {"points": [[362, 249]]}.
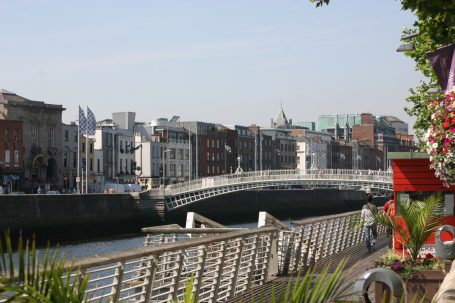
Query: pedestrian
{"points": [[369, 210], [39, 191], [387, 207]]}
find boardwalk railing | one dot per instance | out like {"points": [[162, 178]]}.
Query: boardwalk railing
{"points": [[319, 239], [222, 266], [224, 262]]}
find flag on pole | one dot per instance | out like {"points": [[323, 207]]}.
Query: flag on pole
{"points": [[91, 123], [443, 61], [82, 122]]}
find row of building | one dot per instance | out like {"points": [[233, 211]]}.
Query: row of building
{"points": [[39, 149]]}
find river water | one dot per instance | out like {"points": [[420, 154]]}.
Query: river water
{"points": [[78, 250]]}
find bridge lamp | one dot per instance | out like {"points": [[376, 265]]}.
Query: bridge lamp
{"points": [[227, 148], [164, 170]]}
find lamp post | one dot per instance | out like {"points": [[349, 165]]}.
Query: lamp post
{"points": [[276, 153], [164, 171], [227, 148]]}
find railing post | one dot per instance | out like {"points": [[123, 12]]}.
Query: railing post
{"points": [[200, 273], [235, 274], [149, 279], [272, 258], [177, 273], [116, 285], [308, 245], [219, 271], [253, 262]]}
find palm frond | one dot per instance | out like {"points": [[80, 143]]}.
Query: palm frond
{"points": [[416, 222]]}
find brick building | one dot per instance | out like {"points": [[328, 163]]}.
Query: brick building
{"points": [[11, 155]]}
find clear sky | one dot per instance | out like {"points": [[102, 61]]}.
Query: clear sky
{"points": [[226, 61]]}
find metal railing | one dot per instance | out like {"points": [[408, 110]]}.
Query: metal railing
{"points": [[223, 262], [313, 240], [222, 266], [256, 176], [180, 194]]}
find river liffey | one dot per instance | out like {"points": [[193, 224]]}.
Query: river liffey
{"points": [[73, 251]]}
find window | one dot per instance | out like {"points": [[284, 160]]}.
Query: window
{"points": [[6, 135], [91, 148], [121, 164], [66, 135], [187, 154], [208, 156], [65, 159], [15, 134], [213, 143], [208, 142], [172, 156], [180, 154], [91, 164], [217, 143], [83, 147], [208, 170], [35, 135], [98, 165], [172, 168], [50, 137]]}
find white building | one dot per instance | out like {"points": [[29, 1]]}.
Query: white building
{"points": [[312, 150], [115, 148]]}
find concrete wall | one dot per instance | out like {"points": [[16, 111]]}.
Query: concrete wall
{"points": [[69, 217]]}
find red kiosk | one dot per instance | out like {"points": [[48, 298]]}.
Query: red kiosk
{"points": [[414, 180]]}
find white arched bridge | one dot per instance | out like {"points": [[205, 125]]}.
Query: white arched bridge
{"points": [[379, 183]]}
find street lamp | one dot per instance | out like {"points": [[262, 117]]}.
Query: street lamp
{"points": [[227, 148], [164, 171]]}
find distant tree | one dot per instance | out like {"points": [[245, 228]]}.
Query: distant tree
{"points": [[434, 28]]}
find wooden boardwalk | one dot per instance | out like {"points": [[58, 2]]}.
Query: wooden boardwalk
{"points": [[359, 260]]}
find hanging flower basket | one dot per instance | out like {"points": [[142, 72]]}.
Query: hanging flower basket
{"points": [[440, 137]]}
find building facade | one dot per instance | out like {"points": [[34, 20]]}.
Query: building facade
{"points": [[42, 138]]}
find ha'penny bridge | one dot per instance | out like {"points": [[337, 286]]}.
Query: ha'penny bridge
{"points": [[379, 183], [232, 264]]}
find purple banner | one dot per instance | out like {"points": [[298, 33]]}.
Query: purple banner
{"points": [[443, 61]]}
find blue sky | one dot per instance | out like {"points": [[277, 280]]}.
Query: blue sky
{"points": [[231, 62]]}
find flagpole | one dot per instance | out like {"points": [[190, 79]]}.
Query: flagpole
{"points": [[78, 155], [86, 156]]}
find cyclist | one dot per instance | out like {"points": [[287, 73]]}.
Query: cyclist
{"points": [[369, 226]]}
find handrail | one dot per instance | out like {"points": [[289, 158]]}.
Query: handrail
{"points": [[122, 256], [181, 230], [359, 175]]}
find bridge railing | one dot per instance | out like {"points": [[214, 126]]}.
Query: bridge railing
{"points": [[221, 265], [277, 175]]}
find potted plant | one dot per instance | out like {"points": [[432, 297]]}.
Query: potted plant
{"points": [[415, 223]]}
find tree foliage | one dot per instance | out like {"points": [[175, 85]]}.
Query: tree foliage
{"points": [[434, 28]]}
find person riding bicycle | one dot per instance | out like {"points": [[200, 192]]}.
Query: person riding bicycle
{"points": [[367, 217]]}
